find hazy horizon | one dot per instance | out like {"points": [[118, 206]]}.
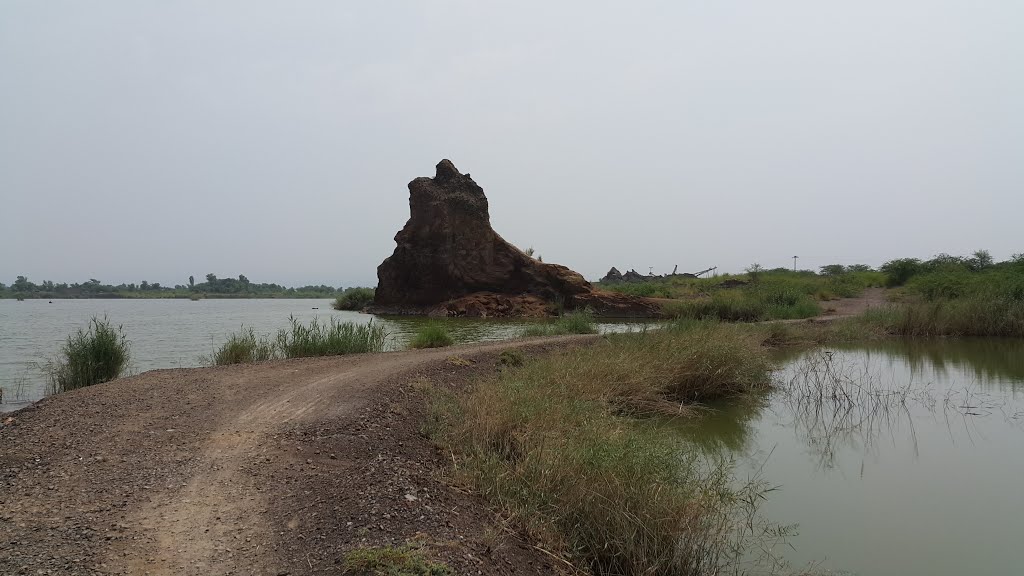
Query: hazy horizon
{"points": [[152, 141]]}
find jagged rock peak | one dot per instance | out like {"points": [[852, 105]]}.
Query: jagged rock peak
{"points": [[446, 170]]}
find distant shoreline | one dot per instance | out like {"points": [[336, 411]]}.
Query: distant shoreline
{"points": [[116, 296]]}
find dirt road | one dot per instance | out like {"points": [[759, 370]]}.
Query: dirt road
{"points": [[252, 469], [845, 307]]}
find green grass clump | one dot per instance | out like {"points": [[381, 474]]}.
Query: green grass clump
{"points": [[244, 347], [99, 353], [391, 561], [432, 335], [354, 299], [332, 339], [577, 322], [557, 446]]}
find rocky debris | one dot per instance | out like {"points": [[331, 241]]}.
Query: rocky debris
{"points": [[634, 276], [613, 275], [448, 252]]}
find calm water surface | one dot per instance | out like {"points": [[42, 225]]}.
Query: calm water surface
{"points": [[923, 476], [177, 333]]}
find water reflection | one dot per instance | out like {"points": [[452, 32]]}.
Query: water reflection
{"points": [[989, 361], [893, 458]]}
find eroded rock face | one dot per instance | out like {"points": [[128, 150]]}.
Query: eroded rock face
{"points": [[448, 251]]}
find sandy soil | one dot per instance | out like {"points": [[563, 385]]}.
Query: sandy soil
{"points": [[252, 469]]}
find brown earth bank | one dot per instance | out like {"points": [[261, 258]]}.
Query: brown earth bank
{"points": [[277, 468]]}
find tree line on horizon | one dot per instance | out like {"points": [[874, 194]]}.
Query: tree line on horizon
{"points": [[241, 286]]}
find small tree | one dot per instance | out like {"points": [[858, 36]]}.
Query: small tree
{"points": [[191, 282], [898, 271], [754, 271], [980, 260], [833, 270]]}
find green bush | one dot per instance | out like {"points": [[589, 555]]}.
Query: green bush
{"points": [[354, 299], [432, 335], [332, 339], [99, 353]]}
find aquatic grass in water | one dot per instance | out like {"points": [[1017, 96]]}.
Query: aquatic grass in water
{"points": [[577, 322], [331, 339], [432, 335], [98, 353]]}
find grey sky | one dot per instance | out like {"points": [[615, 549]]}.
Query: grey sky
{"points": [[153, 140]]}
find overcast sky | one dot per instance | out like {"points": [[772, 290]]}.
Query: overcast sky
{"points": [[154, 140]]}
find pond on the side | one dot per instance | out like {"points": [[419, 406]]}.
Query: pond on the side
{"points": [[897, 458]]}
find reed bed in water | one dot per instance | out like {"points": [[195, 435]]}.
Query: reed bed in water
{"points": [[300, 340]]}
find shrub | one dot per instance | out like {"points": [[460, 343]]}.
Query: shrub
{"points": [[332, 339], [354, 299], [432, 335], [99, 353], [898, 271], [244, 347]]}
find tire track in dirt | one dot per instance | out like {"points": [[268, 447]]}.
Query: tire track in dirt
{"points": [[215, 522]]}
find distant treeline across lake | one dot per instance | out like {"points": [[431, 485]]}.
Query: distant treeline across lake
{"points": [[213, 287]]}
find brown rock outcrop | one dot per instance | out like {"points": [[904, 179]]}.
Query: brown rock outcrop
{"points": [[449, 261]]}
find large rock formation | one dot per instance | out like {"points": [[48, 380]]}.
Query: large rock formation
{"points": [[449, 261]]}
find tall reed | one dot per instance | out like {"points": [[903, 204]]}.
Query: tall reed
{"points": [[331, 339], [98, 353], [244, 347]]}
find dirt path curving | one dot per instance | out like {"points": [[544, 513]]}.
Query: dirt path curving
{"points": [[276, 468], [845, 307]]}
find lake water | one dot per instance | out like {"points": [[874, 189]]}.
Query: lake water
{"points": [[172, 333], [915, 469]]}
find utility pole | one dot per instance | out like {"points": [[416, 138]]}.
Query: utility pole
{"points": [[794, 263]]}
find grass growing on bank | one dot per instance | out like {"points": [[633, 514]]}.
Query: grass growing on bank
{"points": [[973, 316], [578, 322], [391, 561], [244, 347], [354, 299], [432, 335], [557, 446], [98, 353]]}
